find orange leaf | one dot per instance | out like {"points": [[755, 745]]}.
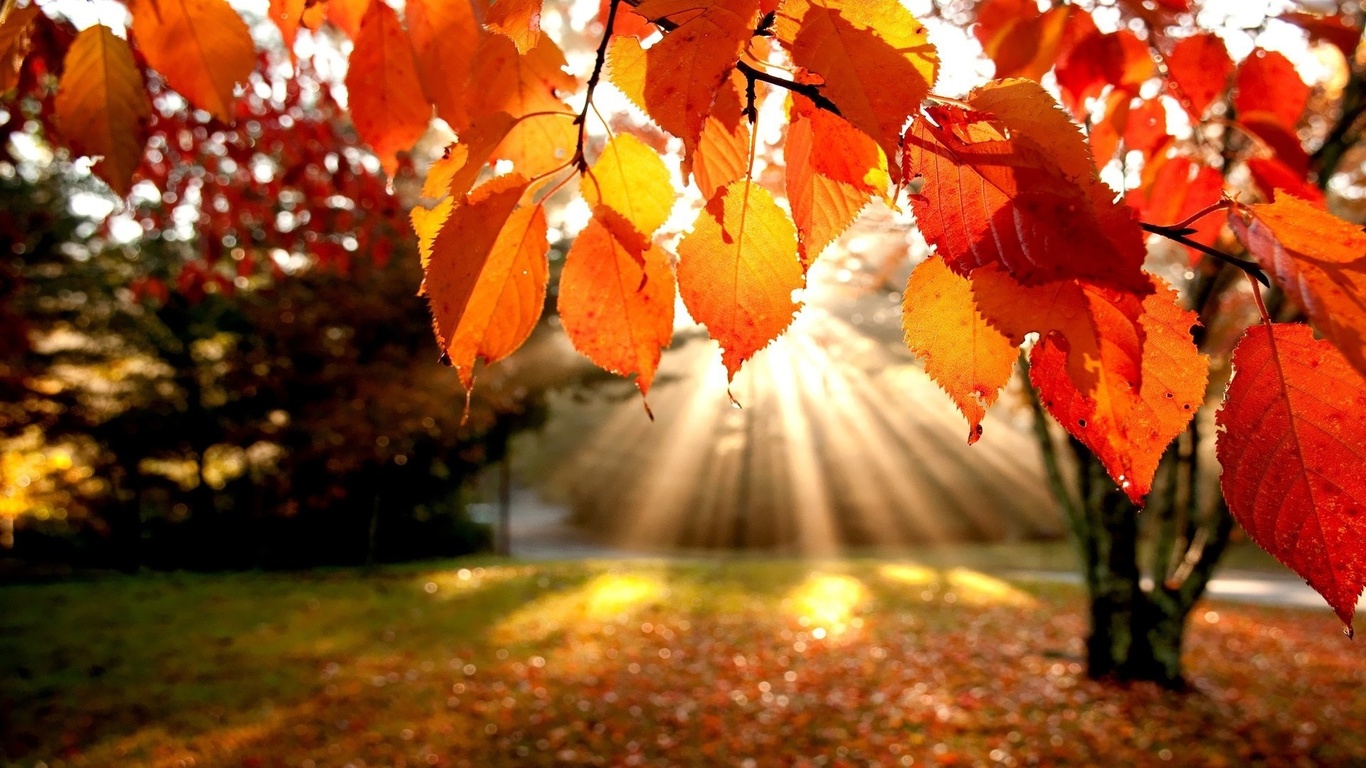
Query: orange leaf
{"points": [[833, 171], [737, 270], [201, 47], [427, 223], [1318, 259], [102, 106], [683, 72], [1292, 444], [964, 355], [1016, 188], [722, 152], [444, 35], [628, 22], [347, 15], [1176, 188], [875, 58], [517, 20], [1269, 90], [1151, 380], [1018, 39], [387, 105], [486, 279], [631, 180], [14, 42], [1200, 68], [501, 80], [287, 15], [617, 304]]}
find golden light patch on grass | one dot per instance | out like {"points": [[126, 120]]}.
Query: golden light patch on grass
{"points": [[604, 597], [977, 588], [827, 602]]}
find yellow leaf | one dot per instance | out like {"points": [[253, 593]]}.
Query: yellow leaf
{"points": [[102, 106], [874, 57], [201, 47], [737, 270], [387, 104], [964, 354], [722, 152], [630, 179]]}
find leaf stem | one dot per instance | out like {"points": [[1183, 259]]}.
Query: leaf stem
{"points": [[950, 101], [1185, 223], [1261, 305], [1177, 234]]}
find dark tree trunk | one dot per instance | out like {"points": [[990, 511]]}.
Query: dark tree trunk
{"points": [[1138, 619]]}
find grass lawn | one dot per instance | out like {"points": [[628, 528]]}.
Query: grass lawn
{"points": [[751, 662]]}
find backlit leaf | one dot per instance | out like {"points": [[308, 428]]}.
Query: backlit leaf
{"points": [[1118, 59], [737, 270], [1269, 90], [1175, 188], [517, 20], [874, 58], [722, 152], [14, 38], [683, 72], [1019, 40], [387, 103], [1292, 445], [616, 304], [1200, 68], [965, 355], [994, 195], [1319, 261], [347, 15], [201, 47], [1270, 175], [427, 222], [486, 279], [287, 15], [502, 80], [631, 180], [833, 171], [444, 36], [1151, 381], [102, 105]]}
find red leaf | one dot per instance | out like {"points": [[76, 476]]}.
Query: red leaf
{"points": [[1200, 68], [1118, 59], [387, 104], [1270, 175], [1269, 90], [1292, 445]]}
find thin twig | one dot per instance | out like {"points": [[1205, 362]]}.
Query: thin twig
{"points": [[1179, 236], [580, 161]]}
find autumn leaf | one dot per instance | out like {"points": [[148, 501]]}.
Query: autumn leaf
{"points": [[722, 152], [1269, 89], [994, 195], [201, 47], [737, 270], [874, 59], [631, 181], [387, 104], [1200, 68], [617, 304], [1118, 59], [461, 169], [1292, 444], [965, 355], [347, 15], [427, 223], [682, 73], [102, 105], [1019, 40], [1151, 381], [517, 20], [502, 80], [833, 171], [486, 279], [1269, 175], [14, 39], [287, 15], [1318, 259], [444, 36]]}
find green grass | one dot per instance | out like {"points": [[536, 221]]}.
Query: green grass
{"points": [[480, 663]]}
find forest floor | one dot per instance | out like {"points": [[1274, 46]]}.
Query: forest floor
{"points": [[740, 662]]}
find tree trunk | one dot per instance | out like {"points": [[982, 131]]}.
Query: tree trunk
{"points": [[1137, 620]]}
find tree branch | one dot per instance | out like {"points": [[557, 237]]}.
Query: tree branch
{"points": [[1179, 236], [580, 161]]}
